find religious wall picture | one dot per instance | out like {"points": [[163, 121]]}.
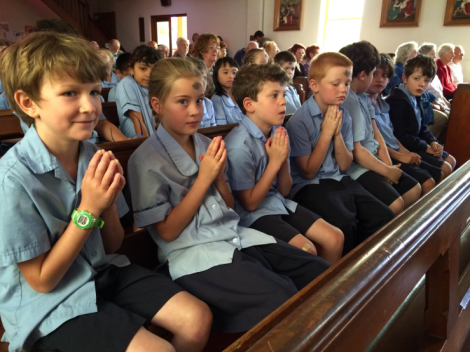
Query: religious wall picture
{"points": [[287, 14], [457, 13], [400, 13]]}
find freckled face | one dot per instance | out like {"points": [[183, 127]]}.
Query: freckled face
{"points": [[334, 87]]}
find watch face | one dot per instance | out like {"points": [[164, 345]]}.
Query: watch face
{"points": [[83, 220]]}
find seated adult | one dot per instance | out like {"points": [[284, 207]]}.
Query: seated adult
{"points": [[435, 87], [299, 51], [164, 49], [260, 38], [271, 49], [95, 45], [114, 47], [207, 48], [404, 52], [194, 37], [240, 54], [445, 54], [183, 47], [222, 51], [310, 53], [456, 67], [153, 44], [113, 79]]}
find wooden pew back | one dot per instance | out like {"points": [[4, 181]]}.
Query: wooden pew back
{"points": [[105, 93], [301, 92], [111, 113], [458, 131], [9, 125]]}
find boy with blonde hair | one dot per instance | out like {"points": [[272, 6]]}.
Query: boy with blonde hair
{"points": [[64, 289], [321, 142]]}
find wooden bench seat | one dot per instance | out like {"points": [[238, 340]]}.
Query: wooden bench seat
{"points": [[9, 125], [105, 93]]}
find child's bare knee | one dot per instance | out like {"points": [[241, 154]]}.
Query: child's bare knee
{"points": [[446, 168], [427, 186], [397, 206]]}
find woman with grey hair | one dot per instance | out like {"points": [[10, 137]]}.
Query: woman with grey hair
{"points": [[445, 54], [404, 52]]}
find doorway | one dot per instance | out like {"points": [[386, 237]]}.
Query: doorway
{"points": [[166, 29]]}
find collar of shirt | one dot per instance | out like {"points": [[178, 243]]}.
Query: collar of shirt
{"points": [[182, 161], [410, 97], [254, 130], [314, 109], [227, 100], [384, 107]]}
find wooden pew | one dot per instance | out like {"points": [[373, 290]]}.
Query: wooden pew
{"points": [[105, 93], [9, 125], [301, 92], [110, 112], [303, 81], [458, 130], [346, 308]]}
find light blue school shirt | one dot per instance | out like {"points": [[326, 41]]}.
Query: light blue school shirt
{"points": [[114, 81], [362, 113], [247, 161], [384, 124], [130, 95], [208, 119], [226, 110], [161, 173], [413, 102], [304, 129], [1, 87], [94, 136], [38, 198], [4, 102], [292, 100], [112, 94]]}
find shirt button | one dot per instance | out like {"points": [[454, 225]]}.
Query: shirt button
{"points": [[214, 206], [235, 240]]}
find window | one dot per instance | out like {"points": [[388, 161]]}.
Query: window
{"points": [[168, 28], [342, 25]]}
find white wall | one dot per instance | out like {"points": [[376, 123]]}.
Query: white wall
{"points": [[227, 18], [431, 29], [309, 25], [21, 13]]}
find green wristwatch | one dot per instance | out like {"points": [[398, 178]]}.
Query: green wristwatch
{"points": [[84, 220]]}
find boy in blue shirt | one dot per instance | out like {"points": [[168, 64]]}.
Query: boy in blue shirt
{"points": [[372, 166], [259, 172], [320, 136], [59, 219], [287, 61]]}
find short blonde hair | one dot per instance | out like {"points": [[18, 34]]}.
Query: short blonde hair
{"points": [[322, 63], [106, 53], [165, 73], [202, 43], [41, 55]]}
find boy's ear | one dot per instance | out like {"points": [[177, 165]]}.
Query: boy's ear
{"points": [[156, 105], [404, 78], [314, 85], [362, 75], [131, 70], [248, 105], [26, 104]]}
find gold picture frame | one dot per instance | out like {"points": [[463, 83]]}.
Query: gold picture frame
{"points": [[400, 13], [287, 15], [457, 13]]}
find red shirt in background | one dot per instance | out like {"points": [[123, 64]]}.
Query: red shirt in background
{"points": [[445, 76]]}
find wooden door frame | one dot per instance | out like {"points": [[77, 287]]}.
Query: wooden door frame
{"points": [[163, 18]]}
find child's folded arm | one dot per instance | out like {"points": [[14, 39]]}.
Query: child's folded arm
{"points": [[367, 160], [112, 232], [382, 151], [310, 164], [284, 179]]}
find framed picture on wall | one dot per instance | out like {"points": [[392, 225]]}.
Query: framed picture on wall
{"points": [[457, 13], [400, 13], [287, 14]]}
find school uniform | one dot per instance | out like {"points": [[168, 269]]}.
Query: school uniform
{"points": [[422, 172], [4, 102], [362, 112], [112, 94], [331, 194], [406, 114], [213, 257], [38, 198], [114, 81], [1, 87], [209, 118], [226, 110], [130, 95], [292, 100], [247, 161]]}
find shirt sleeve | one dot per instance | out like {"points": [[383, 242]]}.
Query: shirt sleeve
{"points": [[24, 232], [211, 112], [127, 98], [358, 120], [242, 168], [346, 130], [299, 137], [220, 116], [149, 190]]}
